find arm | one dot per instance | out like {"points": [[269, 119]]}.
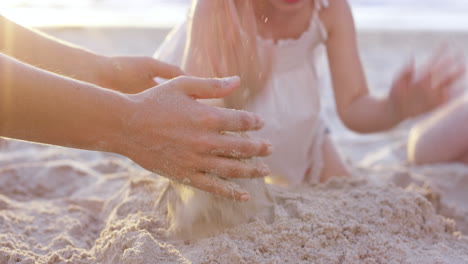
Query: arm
{"points": [[126, 74], [442, 137], [358, 109], [42, 107], [162, 129]]}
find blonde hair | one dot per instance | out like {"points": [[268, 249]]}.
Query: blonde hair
{"points": [[222, 42]]}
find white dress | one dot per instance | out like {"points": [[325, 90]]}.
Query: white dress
{"points": [[290, 104]]}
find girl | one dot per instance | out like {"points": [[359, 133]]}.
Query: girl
{"points": [[271, 45]]}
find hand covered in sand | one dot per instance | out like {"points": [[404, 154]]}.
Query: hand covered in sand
{"points": [[172, 134], [134, 74], [412, 95]]}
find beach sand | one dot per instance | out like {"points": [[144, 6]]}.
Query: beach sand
{"points": [[61, 205]]}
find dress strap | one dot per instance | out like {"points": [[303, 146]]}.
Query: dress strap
{"points": [[321, 4]]}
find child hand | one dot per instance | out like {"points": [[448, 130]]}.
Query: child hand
{"points": [[412, 95], [134, 74]]}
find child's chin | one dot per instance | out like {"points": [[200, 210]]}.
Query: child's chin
{"points": [[289, 5]]}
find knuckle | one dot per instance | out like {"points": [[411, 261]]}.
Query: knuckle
{"points": [[204, 144], [180, 80], [264, 148], [188, 161], [246, 120], [232, 171], [183, 158], [254, 172], [175, 174], [206, 183], [199, 182], [214, 149], [215, 84], [247, 148], [209, 119], [243, 170]]}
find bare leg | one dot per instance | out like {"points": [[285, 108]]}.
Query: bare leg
{"points": [[443, 137], [333, 164]]}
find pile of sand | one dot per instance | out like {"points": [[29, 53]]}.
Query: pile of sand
{"points": [[65, 206]]}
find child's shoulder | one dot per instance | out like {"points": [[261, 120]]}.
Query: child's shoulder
{"points": [[335, 6], [338, 12]]}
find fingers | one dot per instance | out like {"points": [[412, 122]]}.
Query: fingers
{"points": [[404, 80], [449, 78], [201, 88], [241, 148], [234, 168], [439, 54], [443, 66], [237, 120], [164, 70], [407, 74], [442, 75], [218, 186]]}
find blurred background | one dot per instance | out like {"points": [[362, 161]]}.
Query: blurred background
{"points": [[415, 14], [390, 32]]}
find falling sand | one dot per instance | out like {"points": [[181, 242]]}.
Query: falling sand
{"points": [[192, 213]]}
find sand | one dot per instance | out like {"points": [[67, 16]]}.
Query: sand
{"points": [[62, 205], [99, 208]]}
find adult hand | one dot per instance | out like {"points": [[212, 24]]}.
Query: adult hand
{"points": [[133, 74], [168, 132], [413, 95]]}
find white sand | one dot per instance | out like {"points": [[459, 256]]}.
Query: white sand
{"points": [[101, 209], [67, 206]]}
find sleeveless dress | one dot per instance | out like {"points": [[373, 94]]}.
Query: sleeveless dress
{"points": [[290, 104]]}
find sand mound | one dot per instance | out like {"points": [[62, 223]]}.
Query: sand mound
{"points": [[102, 209], [192, 213]]}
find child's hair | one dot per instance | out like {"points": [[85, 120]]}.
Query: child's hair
{"points": [[222, 42]]}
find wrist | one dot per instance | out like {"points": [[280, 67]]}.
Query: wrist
{"points": [[118, 113], [394, 110], [104, 71], [90, 67]]}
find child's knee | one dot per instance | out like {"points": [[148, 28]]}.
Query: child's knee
{"points": [[333, 163]]}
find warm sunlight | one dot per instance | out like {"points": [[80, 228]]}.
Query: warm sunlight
{"points": [[370, 14], [93, 13], [233, 131]]}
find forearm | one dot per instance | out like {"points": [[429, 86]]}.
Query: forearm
{"points": [[48, 53], [40, 106], [369, 114], [357, 108]]}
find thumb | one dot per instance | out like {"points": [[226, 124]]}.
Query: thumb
{"points": [[201, 88]]}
